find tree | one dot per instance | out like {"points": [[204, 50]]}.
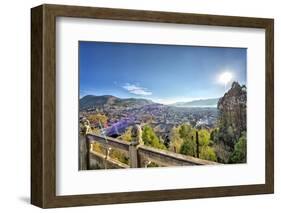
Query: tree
{"points": [[127, 135], [167, 141], [204, 137], [161, 140], [207, 153], [223, 152], [214, 135], [187, 133], [150, 138], [188, 148], [98, 120], [239, 154], [176, 140]]}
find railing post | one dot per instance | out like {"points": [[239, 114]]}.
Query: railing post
{"points": [[83, 152], [133, 148], [84, 146], [88, 153], [197, 145], [133, 155], [108, 149]]}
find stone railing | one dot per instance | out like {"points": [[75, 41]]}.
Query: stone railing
{"points": [[138, 154]]}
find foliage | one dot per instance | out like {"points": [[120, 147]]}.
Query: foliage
{"points": [[150, 138], [207, 153], [176, 140], [228, 135], [204, 137], [152, 164], [119, 155], [214, 135], [95, 131], [161, 141], [188, 148], [115, 154], [223, 152], [127, 135], [167, 141], [97, 148], [187, 133], [98, 120], [240, 150]]}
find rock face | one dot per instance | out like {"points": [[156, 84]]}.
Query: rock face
{"points": [[232, 114]]}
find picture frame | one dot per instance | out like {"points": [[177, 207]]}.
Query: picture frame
{"points": [[43, 105]]}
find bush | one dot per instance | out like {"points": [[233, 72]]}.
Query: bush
{"points": [[150, 138], [208, 153], [239, 154]]}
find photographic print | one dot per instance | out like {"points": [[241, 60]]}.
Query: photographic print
{"points": [[149, 99], [158, 105]]}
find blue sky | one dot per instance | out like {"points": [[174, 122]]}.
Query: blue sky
{"points": [[162, 73]]}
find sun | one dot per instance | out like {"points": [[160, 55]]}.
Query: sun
{"points": [[225, 78]]}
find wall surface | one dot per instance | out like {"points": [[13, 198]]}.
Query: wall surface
{"points": [[15, 105]]}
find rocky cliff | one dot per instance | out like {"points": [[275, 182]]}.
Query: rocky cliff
{"points": [[232, 114]]}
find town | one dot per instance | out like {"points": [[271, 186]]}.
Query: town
{"points": [[162, 118]]}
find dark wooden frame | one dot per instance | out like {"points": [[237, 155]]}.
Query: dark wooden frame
{"points": [[43, 105]]}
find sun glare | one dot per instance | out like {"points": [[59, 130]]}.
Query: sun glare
{"points": [[225, 78]]}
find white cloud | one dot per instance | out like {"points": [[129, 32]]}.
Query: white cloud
{"points": [[137, 90]]}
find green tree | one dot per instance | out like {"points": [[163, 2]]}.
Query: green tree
{"points": [[98, 120], [183, 138], [207, 153], [188, 148], [204, 137], [187, 133], [214, 135], [176, 140], [127, 135], [239, 154], [150, 138]]}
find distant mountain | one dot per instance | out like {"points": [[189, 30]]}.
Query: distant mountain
{"points": [[211, 102], [90, 101]]}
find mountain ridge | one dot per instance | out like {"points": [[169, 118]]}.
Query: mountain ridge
{"points": [[90, 101], [209, 102]]}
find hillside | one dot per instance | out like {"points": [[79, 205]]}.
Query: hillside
{"points": [[90, 101], [211, 102]]}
